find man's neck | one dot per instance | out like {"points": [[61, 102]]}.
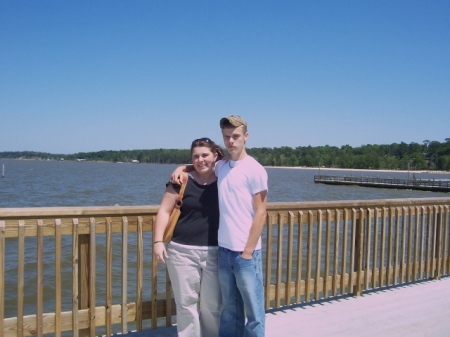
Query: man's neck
{"points": [[239, 156]]}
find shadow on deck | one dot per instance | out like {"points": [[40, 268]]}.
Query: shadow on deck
{"points": [[413, 310]]}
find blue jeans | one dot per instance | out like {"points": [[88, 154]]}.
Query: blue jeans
{"points": [[241, 283]]}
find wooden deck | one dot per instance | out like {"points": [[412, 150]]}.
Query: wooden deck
{"points": [[410, 184], [415, 310]]}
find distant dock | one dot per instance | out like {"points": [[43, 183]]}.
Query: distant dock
{"points": [[410, 184]]}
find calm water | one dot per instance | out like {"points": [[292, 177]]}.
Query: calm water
{"points": [[33, 183], [50, 183]]}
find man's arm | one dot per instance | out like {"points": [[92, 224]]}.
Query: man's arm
{"points": [[175, 177], [260, 204]]}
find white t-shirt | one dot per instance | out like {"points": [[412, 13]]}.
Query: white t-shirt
{"points": [[238, 182]]}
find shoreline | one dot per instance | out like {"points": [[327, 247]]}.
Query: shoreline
{"points": [[276, 167], [356, 170]]}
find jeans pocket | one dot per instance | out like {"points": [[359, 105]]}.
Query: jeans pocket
{"points": [[245, 263], [243, 258]]}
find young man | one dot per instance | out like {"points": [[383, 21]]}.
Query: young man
{"points": [[242, 185], [242, 189]]}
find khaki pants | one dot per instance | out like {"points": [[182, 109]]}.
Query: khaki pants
{"points": [[195, 283]]}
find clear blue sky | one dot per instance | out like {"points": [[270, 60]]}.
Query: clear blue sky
{"points": [[81, 76]]}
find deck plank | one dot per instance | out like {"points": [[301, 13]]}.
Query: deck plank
{"points": [[415, 310]]}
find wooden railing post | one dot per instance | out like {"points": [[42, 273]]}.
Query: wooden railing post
{"points": [[438, 253], [83, 291], [2, 275], [358, 264]]}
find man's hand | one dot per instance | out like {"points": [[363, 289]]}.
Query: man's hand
{"points": [[175, 178], [247, 256]]}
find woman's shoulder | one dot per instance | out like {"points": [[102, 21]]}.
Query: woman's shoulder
{"points": [[176, 187]]}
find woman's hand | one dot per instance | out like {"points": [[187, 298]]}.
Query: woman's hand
{"points": [[159, 251]]}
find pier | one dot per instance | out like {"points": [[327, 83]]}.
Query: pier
{"points": [[101, 278], [411, 184]]}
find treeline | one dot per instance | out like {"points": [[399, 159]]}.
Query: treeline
{"points": [[431, 155], [159, 156]]}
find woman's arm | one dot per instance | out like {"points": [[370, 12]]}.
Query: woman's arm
{"points": [[162, 218]]}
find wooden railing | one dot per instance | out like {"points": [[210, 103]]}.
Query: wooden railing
{"points": [[90, 271]]}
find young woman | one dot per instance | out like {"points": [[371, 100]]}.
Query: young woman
{"points": [[192, 254]]}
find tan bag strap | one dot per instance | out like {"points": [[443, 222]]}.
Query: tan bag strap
{"points": [[184, 179], [175, 214]]}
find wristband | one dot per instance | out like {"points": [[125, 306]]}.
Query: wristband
{"points": [[158, 241]]}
